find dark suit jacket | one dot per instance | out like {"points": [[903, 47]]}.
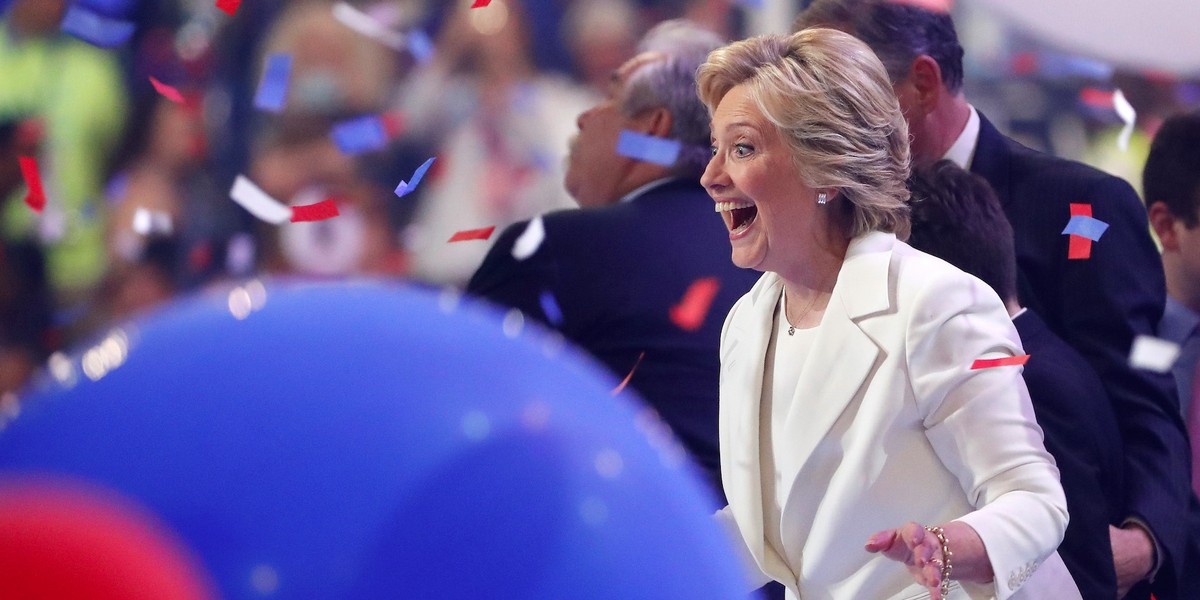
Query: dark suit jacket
{"points": [[1082, 434], [615, 273], [1097, 306]]}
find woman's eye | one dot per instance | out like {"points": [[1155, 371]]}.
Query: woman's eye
{"points": [[713, 149], [742, 150]]}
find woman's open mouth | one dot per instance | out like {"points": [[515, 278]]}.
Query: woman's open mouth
{"points": [[738, 215]]}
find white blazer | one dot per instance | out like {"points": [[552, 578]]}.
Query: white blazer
{"points": [[890, 425]]}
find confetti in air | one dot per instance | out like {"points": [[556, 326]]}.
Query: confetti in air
{"points": [[229, 6], [648, 148], [96, 29], [472, 234], [325, 209], [625, 382], [481, 3], [272, 90], [253, 199], [357, 136], [1128, 116], [406, 187], [530, 240], [1085, 226], [420, 45], [167, 91], [1153, 354], [1079, 247], [1007, 361], [366, 25], [550, 308], [689, 314], [36, 197]]}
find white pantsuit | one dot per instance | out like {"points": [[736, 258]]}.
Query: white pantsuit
{"points": [[889, 424]]}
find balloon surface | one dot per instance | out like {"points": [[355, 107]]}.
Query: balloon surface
{"points": [[357, 440]]}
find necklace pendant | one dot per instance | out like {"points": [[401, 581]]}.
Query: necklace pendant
{"points": [[791, 330]]}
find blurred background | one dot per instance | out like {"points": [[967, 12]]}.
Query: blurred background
{"points": [[137, 184]]}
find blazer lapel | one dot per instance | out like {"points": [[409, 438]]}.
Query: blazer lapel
{"points": [[843, 356], [742, 361]]}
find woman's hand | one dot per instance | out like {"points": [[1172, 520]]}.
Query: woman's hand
{"points": [[918, 549]]}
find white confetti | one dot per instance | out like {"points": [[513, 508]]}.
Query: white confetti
{"points": [[366, 25], [148, 222], [1153, 354], [530, 240], [1128, 116], [259, 204]]}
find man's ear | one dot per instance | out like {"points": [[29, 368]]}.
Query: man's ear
{"points": [[656, 122], [925, 82], [1163, 223]]}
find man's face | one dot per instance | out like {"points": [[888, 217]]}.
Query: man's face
{"points": [[595, 172]]}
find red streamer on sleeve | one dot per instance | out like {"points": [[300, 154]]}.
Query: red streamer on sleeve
{"points": [[1079, 247], [325, 209], [481, 3], [36, 198], [689, 314], [1008, 361], [473, 234]]}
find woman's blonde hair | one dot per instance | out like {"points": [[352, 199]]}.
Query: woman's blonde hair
{"points": [[834, 106]]}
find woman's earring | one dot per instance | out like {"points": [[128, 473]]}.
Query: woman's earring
{"points": [[822, 198]]}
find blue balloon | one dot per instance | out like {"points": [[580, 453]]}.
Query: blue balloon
{"points": [[367, 440]]}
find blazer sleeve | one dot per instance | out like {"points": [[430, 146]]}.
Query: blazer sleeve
{"points": [[1106, 301], [981, 424], [508, 282]]}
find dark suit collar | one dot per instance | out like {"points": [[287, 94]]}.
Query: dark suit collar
{"points": [[992, 156], [661, 186]]}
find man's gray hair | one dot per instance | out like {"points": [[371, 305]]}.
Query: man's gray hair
{"points": [[671, 84]]}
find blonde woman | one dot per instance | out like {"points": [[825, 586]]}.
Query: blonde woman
{"points": [[861, 454]]}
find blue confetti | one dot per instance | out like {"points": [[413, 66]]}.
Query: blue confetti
{"points": [[405, 188], [750, 3], [364, 134], [420, 45], [272, 90], [96, 29], [550, 308], [1085, 226], [648, 148]]}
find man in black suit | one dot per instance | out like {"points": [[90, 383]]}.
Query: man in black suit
{"points": [[956, 217], [1097, 304], [617, 269]]}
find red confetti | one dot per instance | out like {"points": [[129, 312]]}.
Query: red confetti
{"points": [[229, 6], [393, 123], [325, 209], [1079, 247], [1096, 98], [481, 3], [1008, 361], [473, 234], [625, 382], [36, 198], [690, 312], [167, 91]]}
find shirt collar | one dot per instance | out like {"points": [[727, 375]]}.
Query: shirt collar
{"points": [[638, 191], [1178, 321], [962, 152]]}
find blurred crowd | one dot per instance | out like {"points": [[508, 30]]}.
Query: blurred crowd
{"points": [[138, 184]]}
